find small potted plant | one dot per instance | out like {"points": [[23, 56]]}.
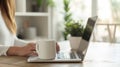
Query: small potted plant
{"points": [[75, 29], [42, 4]]}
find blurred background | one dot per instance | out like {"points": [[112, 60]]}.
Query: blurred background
{"points": [[41, 19]]}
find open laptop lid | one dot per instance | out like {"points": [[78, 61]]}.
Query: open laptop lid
{"points": [[86, 36]]}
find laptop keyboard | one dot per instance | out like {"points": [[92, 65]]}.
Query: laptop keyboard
{"points": [[72, 55], [63, 55]]}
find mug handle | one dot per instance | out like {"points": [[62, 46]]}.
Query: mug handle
{"points": [[37, 47]]}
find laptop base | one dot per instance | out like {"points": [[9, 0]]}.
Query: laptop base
{"points": [[36, 59]]}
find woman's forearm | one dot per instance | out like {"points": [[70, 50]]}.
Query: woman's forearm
{"points": [[22, 51], [13, 51]]}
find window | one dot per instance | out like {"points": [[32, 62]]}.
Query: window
{"points": [[80, 9], [109, 16]]}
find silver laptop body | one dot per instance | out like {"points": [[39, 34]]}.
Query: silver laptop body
{"points": [[73, 56]]}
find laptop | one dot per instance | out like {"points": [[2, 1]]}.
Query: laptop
{"points": [[73, 56]]}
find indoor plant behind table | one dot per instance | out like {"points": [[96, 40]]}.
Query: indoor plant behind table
{"points": [[75, 29], [41, 4]]}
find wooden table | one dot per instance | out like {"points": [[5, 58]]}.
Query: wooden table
{"points": [[98, 55]]}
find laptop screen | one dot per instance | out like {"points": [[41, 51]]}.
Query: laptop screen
{"points": [[86, 36], [89, 28]]}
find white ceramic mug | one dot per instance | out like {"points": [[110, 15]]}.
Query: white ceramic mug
{"points": [[46, 49]]}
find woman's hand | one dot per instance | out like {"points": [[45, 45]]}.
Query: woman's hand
{"points": [[57, 47], [28, 50]]}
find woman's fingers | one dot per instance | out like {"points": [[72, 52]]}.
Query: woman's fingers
{"points": [[57, 48], [31, 46], [33, 53]]}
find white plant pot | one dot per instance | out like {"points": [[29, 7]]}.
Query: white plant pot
{"points": [[74, 42], [20, 5]]}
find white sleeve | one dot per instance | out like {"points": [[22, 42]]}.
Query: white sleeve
{"points": [[3, 50], [19, 42]]}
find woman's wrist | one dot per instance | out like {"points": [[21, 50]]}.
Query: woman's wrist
{"points": [[13, 51]]}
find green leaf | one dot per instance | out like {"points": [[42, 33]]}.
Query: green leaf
{"points": [[39, 2], [50, 3], [67, 17]]}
